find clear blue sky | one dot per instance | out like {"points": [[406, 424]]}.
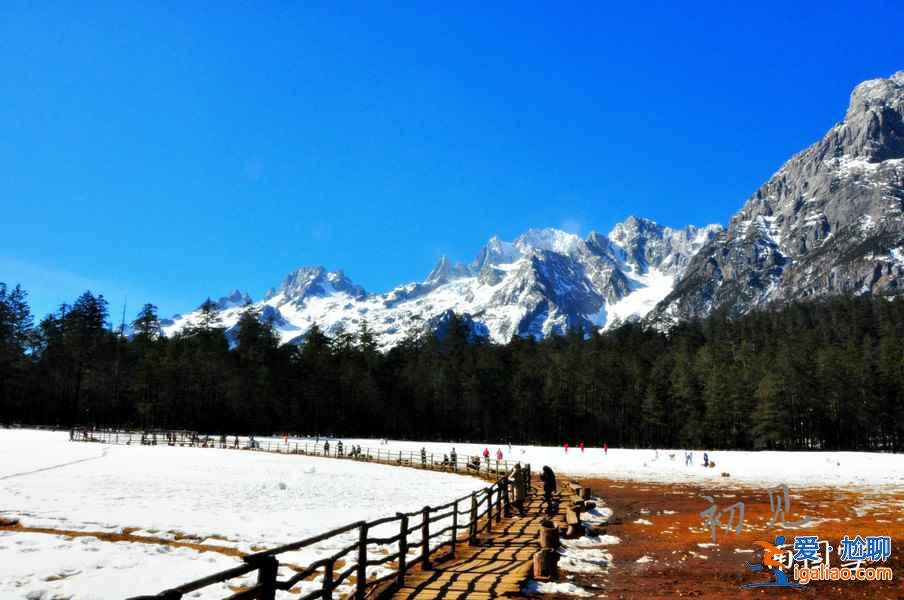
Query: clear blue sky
{"points": [[175, 152]]}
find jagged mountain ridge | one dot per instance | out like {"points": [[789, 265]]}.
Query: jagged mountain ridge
{"points": [[830, 221], [545, 282]]}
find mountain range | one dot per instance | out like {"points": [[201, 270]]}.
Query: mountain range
{"points": [[830, 221]]}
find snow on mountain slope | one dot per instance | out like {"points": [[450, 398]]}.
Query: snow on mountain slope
{"points": [[545, 282]]}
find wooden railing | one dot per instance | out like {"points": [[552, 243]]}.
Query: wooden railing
{"points": [[489, 468], [420, 533]]}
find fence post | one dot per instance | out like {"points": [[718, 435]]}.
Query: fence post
{"points": [[425, 539], [454, 526], [498, 501], [472, 525], [362, 562], [266, 578], [489, 526], [505, 497], [403, 550], [327, 589]]}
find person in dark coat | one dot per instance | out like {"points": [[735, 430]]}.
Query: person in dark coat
{"points": [[549, 486], [518, 484]]}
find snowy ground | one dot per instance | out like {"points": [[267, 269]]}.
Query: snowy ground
{"points": [[229, 500], [798, 469], [225, 498]]}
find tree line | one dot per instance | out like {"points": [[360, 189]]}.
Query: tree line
{"points": [[826, 374]]}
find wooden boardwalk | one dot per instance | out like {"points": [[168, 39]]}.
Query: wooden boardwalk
{"points": [[499, 565]]}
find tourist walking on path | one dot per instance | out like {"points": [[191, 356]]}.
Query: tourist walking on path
{"points": [[518, 488], [549, 487]]}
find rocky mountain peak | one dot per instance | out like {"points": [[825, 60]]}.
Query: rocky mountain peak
{"points": [[873, 127], [830, 221], [495, 252], [317, 281], [445, 271], [548, 239], [234, 299]]}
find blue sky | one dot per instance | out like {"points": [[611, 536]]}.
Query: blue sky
{"points": [[169, 151]]}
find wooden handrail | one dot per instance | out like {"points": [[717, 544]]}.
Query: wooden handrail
{"points": [[266, 562]]}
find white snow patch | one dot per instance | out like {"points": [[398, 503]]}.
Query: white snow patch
{"points": [[589, 541], [584, 560], [647, 290], [532, 588], [37, 565]]}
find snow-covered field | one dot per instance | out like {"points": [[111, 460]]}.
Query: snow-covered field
{"points": [[224, 498], [798, 469], [183, 499]]}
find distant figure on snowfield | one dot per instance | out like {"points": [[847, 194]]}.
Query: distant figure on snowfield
{"points": [[688, 459], [499, 454], [486, 454], [606, 448], [565, 445], [705, 459], [453, 458], [326, 448], [581, 446]]}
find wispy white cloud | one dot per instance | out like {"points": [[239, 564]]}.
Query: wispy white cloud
{"points": [[572, 225]]}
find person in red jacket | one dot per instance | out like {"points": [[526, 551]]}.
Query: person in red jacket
{"points": [[565, 445], [605, 448], [486, 454], [499, 454], [581, 446]]}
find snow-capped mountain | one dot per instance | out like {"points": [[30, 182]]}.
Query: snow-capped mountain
{"points": [[545, 282], [830, 221]]}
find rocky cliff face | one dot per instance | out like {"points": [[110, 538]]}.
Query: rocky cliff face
{"points": [[830, 221]]}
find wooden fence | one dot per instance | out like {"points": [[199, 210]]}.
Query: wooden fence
{"points": [[418, 532], [488, 468]]}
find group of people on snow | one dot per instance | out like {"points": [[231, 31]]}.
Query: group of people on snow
{"points": [[581, 447]]}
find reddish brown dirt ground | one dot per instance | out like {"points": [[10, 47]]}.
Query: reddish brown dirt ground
{"points": [[677, 529]]}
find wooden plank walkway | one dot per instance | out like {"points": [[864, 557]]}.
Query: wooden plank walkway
{"points": [[498, 566]]}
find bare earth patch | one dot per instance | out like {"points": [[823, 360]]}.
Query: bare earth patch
{"points": [[675, 557]]}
